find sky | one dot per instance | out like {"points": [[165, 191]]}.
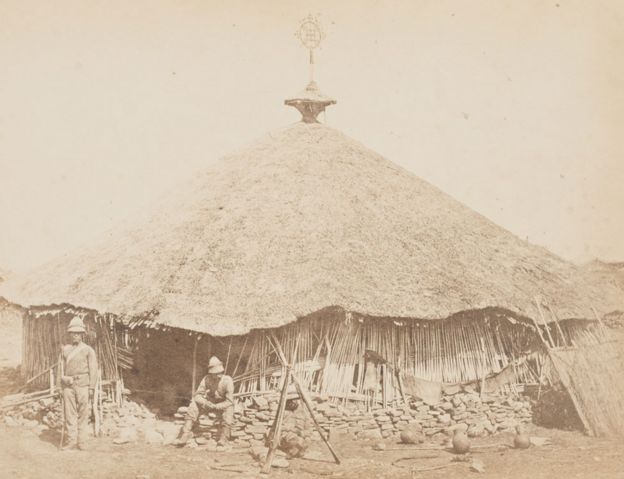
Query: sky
{"points": [[515, 108]]}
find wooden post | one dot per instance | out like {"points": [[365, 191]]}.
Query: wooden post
{"points": [[401, 388], [326, 366], [554, 315], [115, 357], [383, 386], [262, 362], [483, 372], [539, 309], [121, 389], [277, 424], [52, 380], [603, 329], [540, 379], [100, 402], [194, 380], [539, 332], [597, 316], [227, 358]]}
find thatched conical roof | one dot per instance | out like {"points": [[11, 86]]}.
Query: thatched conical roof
{"points": [[303, 219], [5, 274], [606, 273]]}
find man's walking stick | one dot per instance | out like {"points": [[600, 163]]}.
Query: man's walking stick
{"points": [[62, 398], [63, 419], [95, 408]]}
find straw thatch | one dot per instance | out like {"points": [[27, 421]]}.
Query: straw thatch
{"points": [[606, 273], [303, 219], [11, 316], [4, 275], [591, 373]]}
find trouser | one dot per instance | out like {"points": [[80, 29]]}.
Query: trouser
{"points": [[76, 401], [226, 416]]}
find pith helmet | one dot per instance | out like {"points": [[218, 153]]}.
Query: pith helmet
{"points": [[76, 325], [215, 366]]}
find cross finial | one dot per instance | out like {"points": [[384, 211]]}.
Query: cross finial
{"points": [[311, 101], [311, 34]]}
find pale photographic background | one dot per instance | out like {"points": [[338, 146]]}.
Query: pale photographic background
{"points": [[515, 108]]}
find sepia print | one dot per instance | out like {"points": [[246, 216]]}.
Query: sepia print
{"points": [[352, 239]]}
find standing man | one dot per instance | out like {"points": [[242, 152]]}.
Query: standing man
{"points": [[214, 394], [79, 376]]}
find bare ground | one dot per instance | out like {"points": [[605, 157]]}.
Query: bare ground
{"points": [[571, 455]]}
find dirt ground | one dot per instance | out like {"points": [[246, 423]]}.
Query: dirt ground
{"points": [[571, 455]]}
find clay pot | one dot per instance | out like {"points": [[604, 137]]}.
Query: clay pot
{"points": [[522, 439], [461, 444], [410, 436]]}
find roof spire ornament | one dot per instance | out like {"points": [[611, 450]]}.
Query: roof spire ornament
{"points": [[310, 102]]}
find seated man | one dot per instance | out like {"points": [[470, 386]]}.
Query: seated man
{"points": [[215, 394]]}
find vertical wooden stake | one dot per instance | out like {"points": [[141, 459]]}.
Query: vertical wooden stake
{"points": [[539, 332], [326, 366], [121, 389], [384, 387], [100, 402], [483, 372], [277, 425], [194, 381], [401, 388], [539, 309], [227, 358], [602, 326], [554, 315]]}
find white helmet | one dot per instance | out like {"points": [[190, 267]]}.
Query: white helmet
{"points": [[215, 366], [76, 325]]}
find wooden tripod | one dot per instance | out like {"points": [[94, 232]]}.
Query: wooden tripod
{"points": [[277, 424]]}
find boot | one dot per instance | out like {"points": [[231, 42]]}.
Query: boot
{"points": [[69, 446], [186, 433], [224, 437]]}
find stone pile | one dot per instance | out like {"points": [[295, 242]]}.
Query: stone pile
{"points": [[129, 423], [37, 415], [253, 418], [252, 421], [482, 417], [133, 422]]}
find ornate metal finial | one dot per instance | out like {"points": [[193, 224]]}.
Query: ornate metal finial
{"points": [[311, 101], [311, 34]]}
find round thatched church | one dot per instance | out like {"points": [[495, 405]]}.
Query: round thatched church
{"points": [[357, 264]]}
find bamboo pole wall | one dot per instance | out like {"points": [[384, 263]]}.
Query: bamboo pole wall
{"points": [[329, 350], [332, 350]]}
